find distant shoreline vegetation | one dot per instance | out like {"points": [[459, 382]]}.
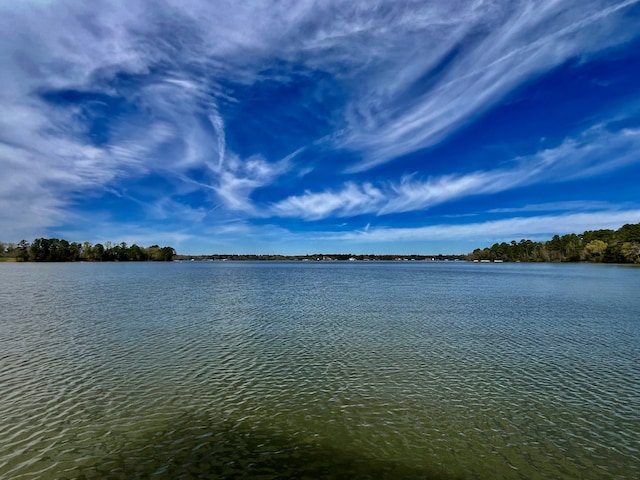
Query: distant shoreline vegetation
{"points": [[56, 250], [594, 246], [334, 257]]}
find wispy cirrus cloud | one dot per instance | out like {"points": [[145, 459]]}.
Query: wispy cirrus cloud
{"points": [[351, 200], [143, 80], [174, 104], [567, 206], [489, 50], [594, 152], [506, 229]]}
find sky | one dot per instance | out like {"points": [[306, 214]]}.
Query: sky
{"points": [[335, 126]]}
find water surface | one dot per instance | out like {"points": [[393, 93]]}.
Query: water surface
{"points": [[327, 370]]}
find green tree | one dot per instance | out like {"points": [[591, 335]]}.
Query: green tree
{"points": [[75, 251], [167, 254], [595, 250], [137, 254], [40, 250], [97, 252], [631, 252], [23, 250], [87, 251], [629, 233]]}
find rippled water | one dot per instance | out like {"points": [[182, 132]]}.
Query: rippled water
{"points": [[324, 370]]}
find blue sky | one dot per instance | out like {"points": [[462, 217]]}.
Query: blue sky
{"points": [[300, 127]]}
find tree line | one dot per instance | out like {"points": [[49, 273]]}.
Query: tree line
{"points": [[57, 250], [598, 246], [317, 257]]}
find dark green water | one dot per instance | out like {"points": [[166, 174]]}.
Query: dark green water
{"points": [[319, 370]]}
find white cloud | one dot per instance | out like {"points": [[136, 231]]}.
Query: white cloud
{"points": [[498, 230], [416, 195], [593, 153], [351, 200], [218, 125], [575, 206], [406, 195], [411, 72], [490, 55], [238, 178]]}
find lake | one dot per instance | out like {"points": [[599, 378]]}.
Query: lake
{"points": [[440, 370]]}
